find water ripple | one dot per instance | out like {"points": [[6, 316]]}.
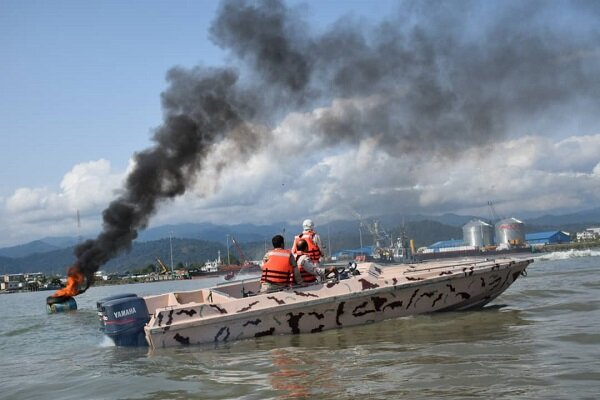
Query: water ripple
{"points": [[538, 340]]}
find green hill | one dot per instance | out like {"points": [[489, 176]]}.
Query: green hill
{"points": [[185, 251]]}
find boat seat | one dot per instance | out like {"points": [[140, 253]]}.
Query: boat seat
{"points": [[195, 296]]}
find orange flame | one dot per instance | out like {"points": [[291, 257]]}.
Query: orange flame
{"points": [[74, 280]]}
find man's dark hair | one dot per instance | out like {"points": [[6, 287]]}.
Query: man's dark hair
{"points": [[278, 242], [301, 245]]}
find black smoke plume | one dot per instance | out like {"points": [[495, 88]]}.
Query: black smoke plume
{"points": [[435, 77]]}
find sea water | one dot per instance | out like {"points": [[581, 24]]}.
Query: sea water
{"points": [[539, 339]]}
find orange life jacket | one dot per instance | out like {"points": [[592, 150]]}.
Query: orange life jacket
{"points": [[277, 269], [314, 252], [307, 277]]}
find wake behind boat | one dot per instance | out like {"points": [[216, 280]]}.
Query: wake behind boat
{"points": [[359, 294]]}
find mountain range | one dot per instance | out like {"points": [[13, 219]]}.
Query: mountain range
{"points": [[197, 243]]}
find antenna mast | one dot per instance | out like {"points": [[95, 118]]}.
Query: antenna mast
{"points": [[493, 214], [78, 227]]}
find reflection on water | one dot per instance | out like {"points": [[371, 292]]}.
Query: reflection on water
{"points": [[347, 362], [539, 340], [298, 372]]}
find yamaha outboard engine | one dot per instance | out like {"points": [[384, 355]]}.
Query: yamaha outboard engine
{"points": [[123, 319], [107, 299]]}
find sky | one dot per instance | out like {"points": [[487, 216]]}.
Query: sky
{"points": [[403, 107]]}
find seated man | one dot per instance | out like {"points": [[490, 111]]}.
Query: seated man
{"points": [[279, 269], [309, 270]]}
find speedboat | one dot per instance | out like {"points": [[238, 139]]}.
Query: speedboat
{"points": [[229, 275], [357, 294]]}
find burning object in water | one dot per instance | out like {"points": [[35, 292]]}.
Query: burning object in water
{"points": [[63, 300], [60, 304]]}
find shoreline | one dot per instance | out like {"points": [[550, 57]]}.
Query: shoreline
{"points": [[129, 281]]}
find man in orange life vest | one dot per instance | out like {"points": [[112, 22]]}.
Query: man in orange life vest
{"points": [[312, 239], [309, 270], [279, 269]]}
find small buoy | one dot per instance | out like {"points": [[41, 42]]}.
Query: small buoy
{"points": [[61, 304]]}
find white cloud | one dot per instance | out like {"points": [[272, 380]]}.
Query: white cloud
{"points": [[526, 174], [27, 199], [31, 213], [294, 175]]}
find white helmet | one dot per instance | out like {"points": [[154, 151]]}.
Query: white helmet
{"points": [[308, 225]]}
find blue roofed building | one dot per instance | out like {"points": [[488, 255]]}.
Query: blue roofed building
{"points": [[452, 245], [543, 238], [444, 244], [351, 254]]}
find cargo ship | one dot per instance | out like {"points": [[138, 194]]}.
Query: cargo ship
{"points": [[216, 267]]}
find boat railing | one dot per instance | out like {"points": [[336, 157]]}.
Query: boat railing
{"points": [[413, 270]]}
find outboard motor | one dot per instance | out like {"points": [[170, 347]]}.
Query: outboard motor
{"points": [[123, 319], [106, 299], [60, 304]]}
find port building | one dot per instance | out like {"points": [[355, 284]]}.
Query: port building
{"points": [[351, 254], [505, 234], [544, 238]]}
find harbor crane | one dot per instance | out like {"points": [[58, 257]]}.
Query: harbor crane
{"points": [[375, 229], [243, 257], [493, 215], [163, 268]]}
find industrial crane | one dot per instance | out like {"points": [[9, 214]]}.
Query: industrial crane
{"points": [[163, 268], [374, 228], [240, 251], [493, 214]]}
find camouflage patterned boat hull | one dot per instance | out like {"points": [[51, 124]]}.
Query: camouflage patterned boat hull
{"points": [[236, 310]]}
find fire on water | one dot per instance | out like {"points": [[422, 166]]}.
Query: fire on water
{"points": [[63, 299], [75, 279]]}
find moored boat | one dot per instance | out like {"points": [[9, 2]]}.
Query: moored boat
{"points": [[359, 294]]}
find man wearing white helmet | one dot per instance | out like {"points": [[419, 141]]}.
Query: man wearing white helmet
{"points": [[312, 239]]}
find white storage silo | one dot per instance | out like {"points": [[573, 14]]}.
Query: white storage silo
{"points": [[510, 231], [478, 233]]}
